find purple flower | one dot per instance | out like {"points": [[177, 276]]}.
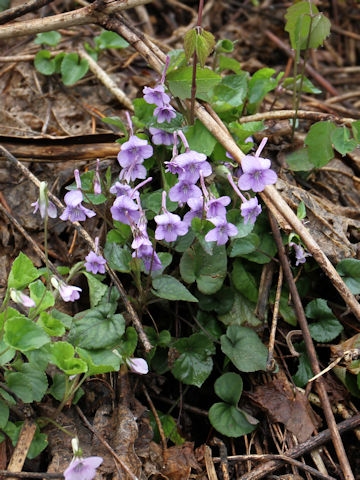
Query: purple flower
{"points": [[222, 231], [125, 209], [257, 173], [119, 189], [133, 150], [250, 209], [51, 209], [21, 298], [139, 232], [138, 365], [169, 227], [160, 137], [197, 209], [74, 211], [164, 113], [95, 263], [190, 164], [133, 171], [300, 253], [183, 191], [82, 468], [216, 207], [149, 257], [68, 292], [97, 182], [156, 95]]}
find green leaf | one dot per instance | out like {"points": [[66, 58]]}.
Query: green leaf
{"points": [[320, 134], [118, 257], [342, 141], [96, 289], [180, 81], [23, 334], [200, 139], [209, 271], [22, 272], [99, 328], [244, 348], [205, 42], [221, 301], [244, 130], [304, 371], [57, 389], [28, 383], [301, 211], [224, 46], [44, 63], [306, 85], [41, 357], [48, 38], [170, 288], [63, 357], [39, 293], [152, 201], [161, 339], [229, 388], [209, 324], [38, 444], [229, 420], [99, 361], [189, 43], [4, 5], [232, 89], [355, 127], [298, 25], [349, 269], [298, 160], [260, 84], [73, 68], [120, 234], [169, 426], [128, 342], [109, 39], [244, 282], [244, 245], [328, 327], [241, 313], [194, 364], [52, 326], [226, 63], [115, 121], [4, 414], [63, 317], [8, 353]]}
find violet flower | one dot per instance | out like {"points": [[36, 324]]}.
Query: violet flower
{"points": [[300, 253], [21, 298], [222, 231], [160, 137], [68, 293], [124, 210], [250, 209], [134, 149], [148, 255], [42, 201], [95, 263], [97, 182], [138, 365], [183, 191], [119, 189], [139, 230], [133, 171], [197, 210], [75, 211], [216, 207], [156, 95], [169, 225], [257, 173], [165, 113], [82, 468]]}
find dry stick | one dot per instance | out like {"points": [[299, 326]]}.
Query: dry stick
{"points": [[157, 419], [106, 445], [6, 473], [20, 10], [270, 195], [310, 348], [270, 364], [81, 16], [85, 235], [302, 114], [107, 81]]}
